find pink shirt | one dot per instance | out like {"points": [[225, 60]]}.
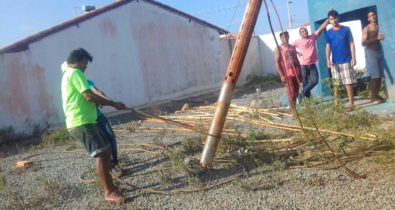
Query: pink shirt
{"points": [[306, 46]]}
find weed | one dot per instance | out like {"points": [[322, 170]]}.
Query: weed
{"points": [[57, 137], [387, 137], [191, 145], [165, 177], [336, 118], [254, 134], [231, 144], [177, 158]]}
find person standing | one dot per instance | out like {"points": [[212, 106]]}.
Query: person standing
{"points": [[308, 57], [79, 105], [288, 67], [371, 40], [107, 130], [340, 43]]}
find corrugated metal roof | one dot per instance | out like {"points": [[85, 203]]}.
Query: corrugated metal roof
{"points": [[24, 43]]}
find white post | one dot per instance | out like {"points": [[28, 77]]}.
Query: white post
{"points": [[289, 13]]}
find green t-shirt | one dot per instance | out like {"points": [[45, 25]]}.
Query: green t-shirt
{"points": [[77, 109]]}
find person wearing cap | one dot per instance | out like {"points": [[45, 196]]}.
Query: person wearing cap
{"points": [[79, 105]]}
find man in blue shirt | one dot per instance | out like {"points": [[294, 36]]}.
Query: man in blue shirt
{"points": [[340, 43]]}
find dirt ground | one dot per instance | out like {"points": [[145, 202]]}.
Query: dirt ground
{"points": [[262, 162]]}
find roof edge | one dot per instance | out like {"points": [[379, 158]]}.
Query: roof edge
{"points": [[24, 43]]}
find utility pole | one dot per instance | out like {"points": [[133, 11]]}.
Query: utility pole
{"points": [[289, 13], [233, 71]]}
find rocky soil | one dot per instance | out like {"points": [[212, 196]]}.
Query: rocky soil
{"points": [[61, 177]]}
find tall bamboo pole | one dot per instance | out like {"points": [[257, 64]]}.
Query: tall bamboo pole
{"points": [[232, 74]]}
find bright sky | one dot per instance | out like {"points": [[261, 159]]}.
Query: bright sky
{"points": [[22, 18]]}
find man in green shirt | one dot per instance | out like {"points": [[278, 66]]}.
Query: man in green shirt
{"points": [[79, 106]]}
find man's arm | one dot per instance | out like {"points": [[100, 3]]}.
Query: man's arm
{"points": [[99, 92], [279, 65], [89, 95], [328, 55], [353, 60], [322, 27]]}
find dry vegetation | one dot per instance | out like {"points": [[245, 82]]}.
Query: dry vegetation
{"points": [[330, 139]]}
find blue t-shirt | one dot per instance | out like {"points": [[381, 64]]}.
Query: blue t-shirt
{"points": [[339, 42], [92, 85]]}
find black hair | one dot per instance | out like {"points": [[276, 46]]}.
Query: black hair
{"points": [[333, 13], [284, 33], [78, 55], [369, 11]]}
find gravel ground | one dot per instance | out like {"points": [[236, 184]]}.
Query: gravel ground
{"points": [[60, 177]]}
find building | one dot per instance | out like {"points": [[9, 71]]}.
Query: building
{"points": [[144, 52]]}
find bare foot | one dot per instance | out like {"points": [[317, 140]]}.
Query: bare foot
{"points": [[115, 198]]}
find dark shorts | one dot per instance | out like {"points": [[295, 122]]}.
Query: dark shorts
{"points": [[91, 137]]}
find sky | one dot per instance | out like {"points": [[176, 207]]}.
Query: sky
{"points": [[22, 18]]}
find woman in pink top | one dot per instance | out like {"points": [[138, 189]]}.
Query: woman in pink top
{"points": [[308, 57]]}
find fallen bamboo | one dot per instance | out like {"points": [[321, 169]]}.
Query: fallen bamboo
{"points": [[298, 128]]}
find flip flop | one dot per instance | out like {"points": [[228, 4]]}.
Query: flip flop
{"points": [[115, 199]]}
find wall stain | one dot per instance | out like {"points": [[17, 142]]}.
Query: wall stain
{"points": [[28, 100], [43, 99], [17, 100], [108, 28]]}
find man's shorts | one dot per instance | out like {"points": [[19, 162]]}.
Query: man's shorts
{"points": [[343, 74], [91, 137], [374, 61]]}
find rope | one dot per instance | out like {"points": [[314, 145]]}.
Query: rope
{"points": [[173, 192], [172, 122]]}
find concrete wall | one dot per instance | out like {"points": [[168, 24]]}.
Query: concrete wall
{"points": [[142, 54], [357, 10]]}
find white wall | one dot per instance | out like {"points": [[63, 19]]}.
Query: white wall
{"points": [[142, 54]]}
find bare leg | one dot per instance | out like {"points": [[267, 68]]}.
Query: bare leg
{"points": [[375, 88], [350, 94], [103, 166], [336, 95]]}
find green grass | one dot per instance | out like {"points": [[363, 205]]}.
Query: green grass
{"points": [[57, 137]]}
